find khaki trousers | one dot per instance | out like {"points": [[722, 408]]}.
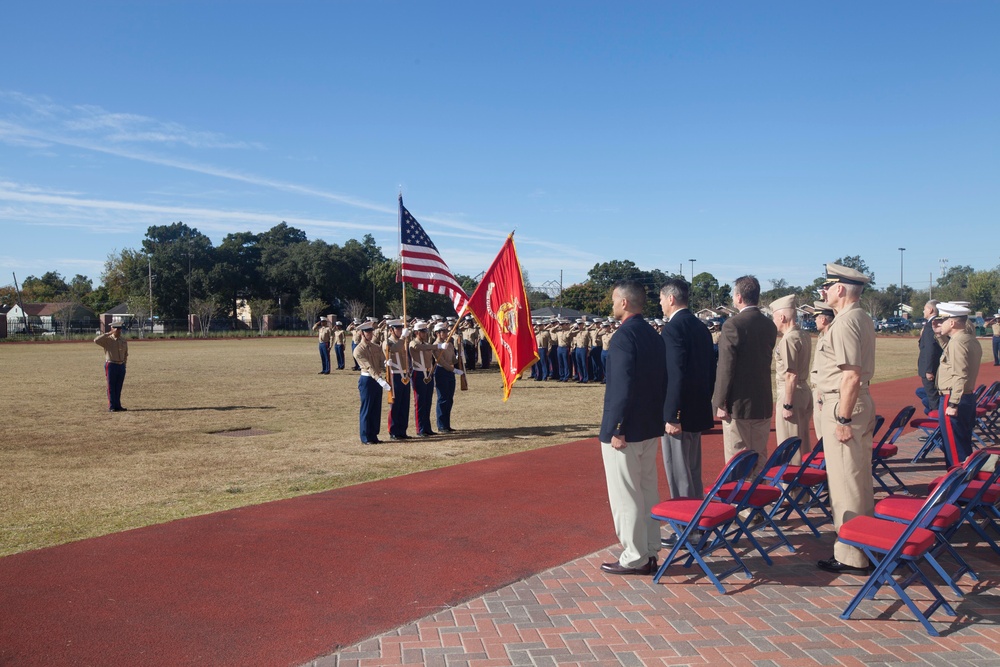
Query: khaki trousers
{"points": [[740, 434], [849, 469], [632, 492], [798, 426]]}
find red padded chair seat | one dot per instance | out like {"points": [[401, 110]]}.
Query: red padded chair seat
{"points": [[980, 411], [934, 414], [925, 423], [990, 497], [991, 405], [684, 509], [882, 534], [887, 451], [811, 477], [762, 495], [905, 508]]}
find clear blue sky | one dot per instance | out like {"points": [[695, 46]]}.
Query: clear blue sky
{"points": [[755, 137]]}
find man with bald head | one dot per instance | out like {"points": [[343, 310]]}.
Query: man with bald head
{"points": [[791, 376]]}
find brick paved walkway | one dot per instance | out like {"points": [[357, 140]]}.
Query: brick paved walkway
{"points": [[788, 614]]}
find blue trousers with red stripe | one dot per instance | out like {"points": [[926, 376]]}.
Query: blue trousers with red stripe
{"points": [[957, 430], [116, 379]]}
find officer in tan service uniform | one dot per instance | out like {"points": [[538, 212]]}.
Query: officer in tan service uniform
{"points": [[956, 382], [845, 363], [792, 354], [824, 316], [115, 357]]}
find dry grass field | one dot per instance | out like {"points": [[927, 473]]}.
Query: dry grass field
{"points": [[72, 470]]}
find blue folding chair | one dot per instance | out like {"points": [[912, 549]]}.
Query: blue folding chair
{"points": [[979, 503], [804, 488], [904, 509], [886, 449], [753, 502], [890, 545], [701, 526]]}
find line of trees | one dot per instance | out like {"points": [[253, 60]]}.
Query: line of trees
{"points": [[281, 271]]}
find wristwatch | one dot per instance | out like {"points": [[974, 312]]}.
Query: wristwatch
{"points": [[843, 420], [787, 406]]}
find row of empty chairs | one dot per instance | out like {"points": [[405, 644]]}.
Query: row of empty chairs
{"points": [[905, 533]]}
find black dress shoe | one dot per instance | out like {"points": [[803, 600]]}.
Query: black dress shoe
{"points": [[618, 568], [835, 566], [373, 441], [446, 430], [426, 434]]}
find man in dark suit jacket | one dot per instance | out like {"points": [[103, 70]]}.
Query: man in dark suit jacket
{"points": [[631, 427], [742, 398], [928, 358], [687, 409]]}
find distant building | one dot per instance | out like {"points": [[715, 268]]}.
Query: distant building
{"points": [[48, 317]]}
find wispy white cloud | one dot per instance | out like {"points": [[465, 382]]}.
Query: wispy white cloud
{"points": [[32, 205], [38, 123]]}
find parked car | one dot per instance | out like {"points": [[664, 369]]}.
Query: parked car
{"points": [[808, 325], [892, 324]]}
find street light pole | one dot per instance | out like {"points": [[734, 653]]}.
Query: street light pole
{"points": [[901, 281], [692, 269]]}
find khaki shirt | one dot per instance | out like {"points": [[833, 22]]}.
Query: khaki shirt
{"points": [[791, 355], [959, 366], [563, 337], [325, 335], [849, 341], [543, 338], [339, 336], [996, 328], [605, 337], [447, 357], [356, 337], [582, 339], [395, 352], [369, 357], [422, 355], [115, 351]]}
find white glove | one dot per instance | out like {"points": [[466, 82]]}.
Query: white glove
{"points": [[406, 332], [442, 346], [388, 364], [382, 383], [458, 371]]}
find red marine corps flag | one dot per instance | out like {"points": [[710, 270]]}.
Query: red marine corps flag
{"points": [[500, 305]]}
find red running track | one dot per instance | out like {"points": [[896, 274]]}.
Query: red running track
{"points": [[285, 582]]}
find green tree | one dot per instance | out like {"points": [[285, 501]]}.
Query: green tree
{"points": [[983, 291], [603, 276], [50, 287], [706, 292], [236, 273], [125, 273], [182, 260]]}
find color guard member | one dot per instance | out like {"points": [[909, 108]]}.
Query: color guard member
{"points": [[370, 384]]}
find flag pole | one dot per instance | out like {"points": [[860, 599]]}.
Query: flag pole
{"points": [[399, 234]]}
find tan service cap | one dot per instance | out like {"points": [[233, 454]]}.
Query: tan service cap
{"points": [[835, 273], [784, 302], [823, 308]]}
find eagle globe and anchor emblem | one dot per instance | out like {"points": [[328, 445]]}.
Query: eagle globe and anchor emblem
{"points": [[505, 315]]}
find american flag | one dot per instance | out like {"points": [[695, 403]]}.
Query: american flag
{"points": [[422, 266]]}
